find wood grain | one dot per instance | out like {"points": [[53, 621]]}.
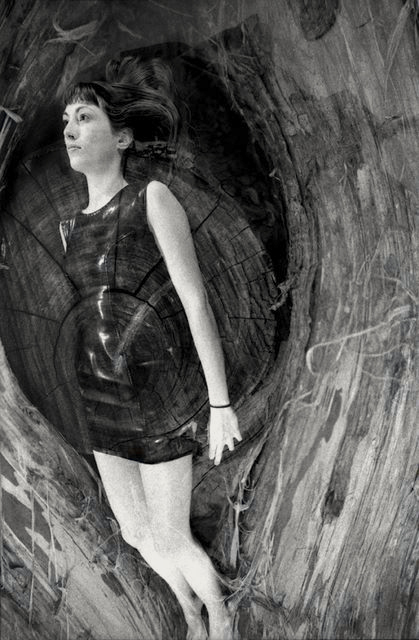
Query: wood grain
{"points": [[316, 519]]}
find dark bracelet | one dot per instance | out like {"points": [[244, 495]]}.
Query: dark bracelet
{"points": [[220, 406]]}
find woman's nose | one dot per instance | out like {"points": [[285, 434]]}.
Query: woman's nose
{"points": [[69, 131]]}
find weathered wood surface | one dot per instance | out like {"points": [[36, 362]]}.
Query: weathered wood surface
{"points": [[66, 573], [331, 533], [320, 513]]}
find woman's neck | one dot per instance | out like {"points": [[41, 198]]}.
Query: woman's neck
{"points": [[102, 188]]}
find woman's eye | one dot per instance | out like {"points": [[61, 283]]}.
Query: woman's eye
{"points": [[83, 116]]}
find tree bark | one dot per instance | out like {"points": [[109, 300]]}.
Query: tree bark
{"points": [[331, 543], [316, 518], [66, 572]]}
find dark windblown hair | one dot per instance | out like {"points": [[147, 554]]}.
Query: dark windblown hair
{"points": [[136, 94]]}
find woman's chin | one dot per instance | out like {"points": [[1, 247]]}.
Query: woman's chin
{"points": [[76, 165]]}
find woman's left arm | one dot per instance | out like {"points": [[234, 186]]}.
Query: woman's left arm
{"points": [[170, 227]]}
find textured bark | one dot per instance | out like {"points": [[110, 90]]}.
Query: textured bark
{"points": [[331, 543], [65, 570], [316, 517]]}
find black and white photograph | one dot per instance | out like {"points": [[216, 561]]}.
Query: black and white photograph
{"points": [[208, 319]]}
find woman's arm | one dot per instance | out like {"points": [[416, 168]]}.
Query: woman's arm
{"points": [[171, 230]]}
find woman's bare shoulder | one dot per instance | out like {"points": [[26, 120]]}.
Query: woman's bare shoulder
{"points": [[161, 203], [158, 189]]}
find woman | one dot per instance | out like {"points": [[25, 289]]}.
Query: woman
{"points": [[147, 476]]}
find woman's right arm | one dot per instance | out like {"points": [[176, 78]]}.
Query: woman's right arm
{"points": [[170, 226]]}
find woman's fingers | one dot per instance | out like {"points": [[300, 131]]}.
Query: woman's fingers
{"points": [[211, 440], [234, 428], [236, 432], [218, 455], [222, 432], [230, 443]]}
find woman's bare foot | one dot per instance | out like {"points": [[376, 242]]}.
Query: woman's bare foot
{"points": [[221, 622], [196, 629], [196, 626]]}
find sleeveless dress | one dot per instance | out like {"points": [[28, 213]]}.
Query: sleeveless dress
{"points": [[123, 355]]}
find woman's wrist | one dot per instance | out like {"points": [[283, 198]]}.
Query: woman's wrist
{"points": [[220, 406]]}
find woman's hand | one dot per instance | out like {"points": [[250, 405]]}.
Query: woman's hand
{"points": [[222, 429]]}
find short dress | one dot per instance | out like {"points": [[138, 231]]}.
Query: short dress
{"points": [[121, 359]]}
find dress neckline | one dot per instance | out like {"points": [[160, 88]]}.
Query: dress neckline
{"points": [[92, 213]]}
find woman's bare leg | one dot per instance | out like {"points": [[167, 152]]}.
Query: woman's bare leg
{"points": [[122, 482], [167, 489]]}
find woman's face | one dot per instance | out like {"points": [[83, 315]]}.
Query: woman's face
{"points": [[92, 144]]}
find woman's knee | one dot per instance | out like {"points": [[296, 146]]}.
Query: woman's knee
{"points": [[158, 555], [139, 539], [169, 541]]}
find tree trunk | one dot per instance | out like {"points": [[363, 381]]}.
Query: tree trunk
{"points": [[330, 548], [65, 570], [315, 516]]}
